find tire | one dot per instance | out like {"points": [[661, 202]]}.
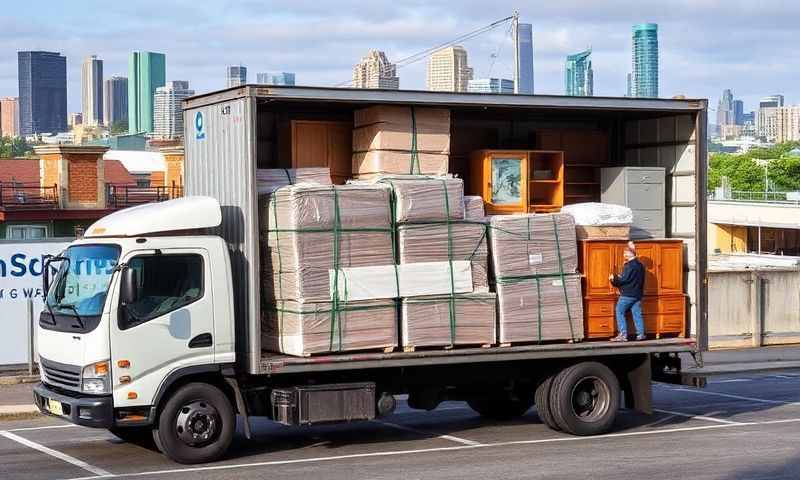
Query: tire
{"points": [[196, 425], [542, 399], [584, 399], [141, 436], [501, 407]]}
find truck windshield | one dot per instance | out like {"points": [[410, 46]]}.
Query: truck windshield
{"points": [[78, 292]]}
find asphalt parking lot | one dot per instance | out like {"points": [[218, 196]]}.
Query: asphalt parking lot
{"points": [[740, 427]]}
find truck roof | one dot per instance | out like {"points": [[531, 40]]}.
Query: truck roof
{"points": [[187, 213], [424, 97]]}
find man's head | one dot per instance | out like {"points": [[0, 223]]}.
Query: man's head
{"points": [[629, 254]]}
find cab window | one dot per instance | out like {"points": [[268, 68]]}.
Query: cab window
{"points": [[166, 283]]}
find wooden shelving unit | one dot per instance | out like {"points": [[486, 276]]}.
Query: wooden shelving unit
{"points": [[518, 181]]}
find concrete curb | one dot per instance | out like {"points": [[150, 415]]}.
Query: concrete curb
{"points": [[18, 412], [16, 379], [732, 368]]}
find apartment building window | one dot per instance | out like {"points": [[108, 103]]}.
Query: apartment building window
{"points": [[26, 232]]}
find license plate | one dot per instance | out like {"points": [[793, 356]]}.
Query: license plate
{"points": [[54, 407]]}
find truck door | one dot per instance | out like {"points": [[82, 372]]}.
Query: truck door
{"points": [[168, 326]]}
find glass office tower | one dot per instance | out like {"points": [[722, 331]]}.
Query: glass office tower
{"points": [[644, 81], [578, 75], [42, 92]]}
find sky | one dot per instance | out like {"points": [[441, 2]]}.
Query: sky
{"points": [[705, 45]]}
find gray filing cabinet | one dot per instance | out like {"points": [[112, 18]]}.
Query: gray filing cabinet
{"points": [[642, 190]]}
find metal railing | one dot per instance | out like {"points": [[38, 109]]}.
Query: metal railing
{"points": [[122, 196], [27, 196], [788, 198]]}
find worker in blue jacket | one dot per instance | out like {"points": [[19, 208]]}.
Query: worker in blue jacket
{"points": [[631, 287]]}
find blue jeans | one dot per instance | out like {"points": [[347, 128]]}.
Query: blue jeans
{"points": [[635, 306]]}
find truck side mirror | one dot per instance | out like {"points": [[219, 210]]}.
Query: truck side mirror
{"points": [[129, 288]]}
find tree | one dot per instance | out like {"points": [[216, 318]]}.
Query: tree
{"points": [[120, 127], [746, 171]]}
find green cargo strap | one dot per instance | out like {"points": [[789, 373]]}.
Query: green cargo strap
{"points": [[288, 176], [336, 323], [452, 303], [539, 303], [561, 273], [274, 206], [414, 168]]}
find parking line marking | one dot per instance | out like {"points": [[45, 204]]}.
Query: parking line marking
{"points": [[99, 472], [418, 451], [738, 397], [47, 427], [452, 438], [699, 417], [733, 380]]}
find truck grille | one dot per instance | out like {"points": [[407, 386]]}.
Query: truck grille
{"points": [[61, 375]]}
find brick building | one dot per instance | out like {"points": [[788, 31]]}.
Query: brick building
{"points": [[69, 187]]}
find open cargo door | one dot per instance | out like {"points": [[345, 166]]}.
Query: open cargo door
{"points": [[677, 143]]}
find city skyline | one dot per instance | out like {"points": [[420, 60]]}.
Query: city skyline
{"points": [[400, 29]]}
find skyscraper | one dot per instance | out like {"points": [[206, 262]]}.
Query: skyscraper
{"points": [[448, 70], [725, 108], [42, 92], [578, 75], [767, 120], [168, 116], [236, 76], [92, 91], [525, 39], [115, 100], [738, 112], [9, 117], [146, 72], [644, 74], [375, 71], [491, 85], [275, 78]]}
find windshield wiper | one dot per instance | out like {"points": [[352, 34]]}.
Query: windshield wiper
{"points": [[70, 306]]}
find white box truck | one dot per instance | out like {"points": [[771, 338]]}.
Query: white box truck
{"points": [[152, 323]]}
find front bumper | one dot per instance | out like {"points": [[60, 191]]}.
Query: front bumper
{"points": [[87, 410]]}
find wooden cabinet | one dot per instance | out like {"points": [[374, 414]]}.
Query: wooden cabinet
{"points": [[518, 181], [664, 304], [323, 144]]}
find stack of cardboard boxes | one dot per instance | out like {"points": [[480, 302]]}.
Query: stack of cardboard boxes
{"points": [[400, 140]]}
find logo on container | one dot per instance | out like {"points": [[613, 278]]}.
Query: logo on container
{"points": [[199, 127]]}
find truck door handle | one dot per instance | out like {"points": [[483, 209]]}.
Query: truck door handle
{"points": [[202, 340]]}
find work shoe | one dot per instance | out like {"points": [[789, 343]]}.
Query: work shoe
{"points": [[622, 337], [641, 337]]}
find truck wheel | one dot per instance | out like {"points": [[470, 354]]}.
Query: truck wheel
{"points": [[501, 407], [196, 425], [141, 436], [584, 399], [542, 398]]}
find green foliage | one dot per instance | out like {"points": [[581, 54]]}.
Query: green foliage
{"points": [[119, 127], [14, 147], [746, 171]]}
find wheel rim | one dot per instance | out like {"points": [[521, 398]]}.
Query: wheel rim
{"points": [[197, 423], [590, 399]]}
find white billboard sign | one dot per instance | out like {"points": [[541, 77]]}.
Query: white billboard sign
{"points": [[21, 279]]}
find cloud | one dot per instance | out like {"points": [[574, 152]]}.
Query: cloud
{"points": [[706, 45]]}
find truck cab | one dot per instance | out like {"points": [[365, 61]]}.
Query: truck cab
{"points": [[142, 301]]}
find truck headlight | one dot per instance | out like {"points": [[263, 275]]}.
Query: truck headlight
{"points": [[95, 378]]}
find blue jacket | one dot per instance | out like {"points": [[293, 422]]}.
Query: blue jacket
{"points": [[631, 282]]}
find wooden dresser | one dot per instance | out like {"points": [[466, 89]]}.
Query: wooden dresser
{"points": [[664, 303]]}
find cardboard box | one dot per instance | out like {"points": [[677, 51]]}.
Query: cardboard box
{"points": [[372, 163], [540, 309], [388, 127], [315, 228], [526, 245], [427, 321], [429, 243], [308, 328]]}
